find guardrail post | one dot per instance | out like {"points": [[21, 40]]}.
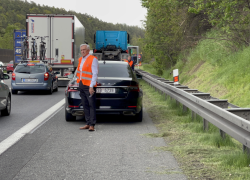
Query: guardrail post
{"points": [[184, 108], [205, 125], [177, 103], [166, 96], [222, 134], [193, 115], [246, 150]]}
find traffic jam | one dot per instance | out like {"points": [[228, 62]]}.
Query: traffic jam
{"points": [[57, 91]]}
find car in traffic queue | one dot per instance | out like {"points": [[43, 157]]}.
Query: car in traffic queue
{"points": [[117, 92], [10, 67], [5, 96], [34, 75]]}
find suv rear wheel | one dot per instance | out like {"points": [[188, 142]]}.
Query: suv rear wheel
{"points": [[50, 91], [56, 88], [6, 111]]}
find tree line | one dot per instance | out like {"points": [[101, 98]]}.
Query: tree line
{"points": [[13, 16], [173, 27]]}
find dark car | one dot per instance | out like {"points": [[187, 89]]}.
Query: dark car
{"points": [[117, 92], [33, 75], [5, 96], [10, 67]]}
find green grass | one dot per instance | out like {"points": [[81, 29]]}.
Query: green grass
{"points": [[213, 66], [201, 154]]}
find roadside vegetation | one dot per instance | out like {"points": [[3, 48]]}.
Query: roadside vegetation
{"points": [[213, 68], [201, 154], [208, 42]]}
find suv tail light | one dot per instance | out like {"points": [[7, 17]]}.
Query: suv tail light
{"points": [[72, 88], [46, 76], [13, 76], [134, 88]]}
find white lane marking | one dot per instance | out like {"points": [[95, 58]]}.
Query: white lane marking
{"points": [[12, 139]]}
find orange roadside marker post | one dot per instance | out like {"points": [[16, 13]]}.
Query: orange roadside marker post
{"points": [[176, 76]]}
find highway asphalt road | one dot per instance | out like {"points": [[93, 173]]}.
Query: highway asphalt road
{"points": [[57, 149]]}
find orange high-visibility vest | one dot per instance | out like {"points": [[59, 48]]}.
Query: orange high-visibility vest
{"points": [[86, 71], [130, 63]]}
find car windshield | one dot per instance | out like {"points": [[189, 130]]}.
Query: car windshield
{"points": [[114, 70], [30, 69]]}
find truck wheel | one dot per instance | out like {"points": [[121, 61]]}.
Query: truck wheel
{"points": [[69, 117], [6, 111]]}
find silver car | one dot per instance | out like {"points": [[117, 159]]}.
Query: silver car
{"points": [[5, 95], [33, 75]]}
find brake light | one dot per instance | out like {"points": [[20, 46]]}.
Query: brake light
{"points": [[95, 50], [71, 88], [134, 88], [126, 51], [30, 64], [132, 106], [13, 76], [70, 106], [46, 76]]}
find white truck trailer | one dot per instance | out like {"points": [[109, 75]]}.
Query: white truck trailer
{"points": [[63, 36]]}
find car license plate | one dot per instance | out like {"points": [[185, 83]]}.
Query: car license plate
{"points": [[105, 90], [29, 80]]}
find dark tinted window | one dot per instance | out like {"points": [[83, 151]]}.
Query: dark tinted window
{"points": [[114, 70], [30, 69]]}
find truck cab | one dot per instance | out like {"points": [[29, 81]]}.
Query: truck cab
{"points": [[111, 45]]}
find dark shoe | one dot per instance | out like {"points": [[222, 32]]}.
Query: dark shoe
{"points": [[91, 128], [85, 127]]}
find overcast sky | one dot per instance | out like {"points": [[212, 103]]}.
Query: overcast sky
{"points": [[128, 12]]}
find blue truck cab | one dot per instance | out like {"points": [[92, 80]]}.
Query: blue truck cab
{"points": [[111, 45], [111, 40]]}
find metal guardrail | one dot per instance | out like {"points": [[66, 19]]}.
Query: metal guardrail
{"points": [[230, 119]]}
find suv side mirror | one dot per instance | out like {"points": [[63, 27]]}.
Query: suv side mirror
{"points": [[6, 76]]}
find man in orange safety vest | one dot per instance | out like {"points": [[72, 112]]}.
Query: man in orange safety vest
{"points": [[87, 72], [130, 62]]}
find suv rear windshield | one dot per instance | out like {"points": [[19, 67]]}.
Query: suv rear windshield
{"points": [[30, 69], [114, 70]]}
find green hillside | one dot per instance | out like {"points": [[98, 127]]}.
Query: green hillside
{"points": [[208, 41], [214, 68], [13, 16]]}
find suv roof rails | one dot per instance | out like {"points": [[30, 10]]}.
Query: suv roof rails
{"points": [[24, 61], [32, 61]]}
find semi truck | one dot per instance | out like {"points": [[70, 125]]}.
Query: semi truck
{"points": [[111, 45], [63, 35], [18, 38]]}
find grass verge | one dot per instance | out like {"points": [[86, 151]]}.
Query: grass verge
{"points": [[201, 155]]}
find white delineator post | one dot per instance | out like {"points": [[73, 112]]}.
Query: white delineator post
{"points": [[176, 76]]}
